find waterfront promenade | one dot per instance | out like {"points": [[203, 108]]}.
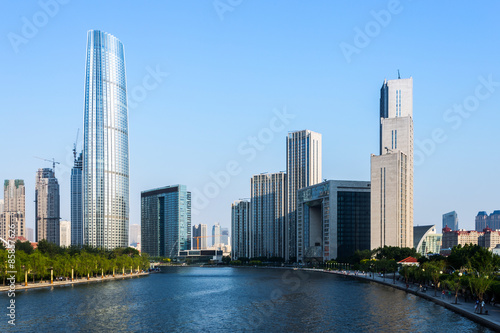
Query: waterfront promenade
{"points": [[47, 284], [491, 320]]}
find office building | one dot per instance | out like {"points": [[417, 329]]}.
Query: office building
{"points": [[135, 234], [333, 220], [240, 229], [77, 202], [224, 238], [166, 221], [216, 234], [451, 220], [65, 233], [268, 199], [392, 170], [303, 168], [30, 234], [105, 172], [484, 221], [199, 237], [47, 206], [14, 209]]}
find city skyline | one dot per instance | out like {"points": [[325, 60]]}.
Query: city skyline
{"points": [[326, 94]]}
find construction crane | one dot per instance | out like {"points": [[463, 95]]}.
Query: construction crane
{"points": [[198, 240], [74, 145], [53, 160]]}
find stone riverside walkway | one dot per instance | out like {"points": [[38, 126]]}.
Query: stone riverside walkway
{"points": [[491, 320], [31, 285]]}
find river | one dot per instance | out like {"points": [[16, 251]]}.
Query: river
{"points": [[198, 299]]}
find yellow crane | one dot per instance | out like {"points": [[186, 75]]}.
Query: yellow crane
{"points": [[198, 240]]}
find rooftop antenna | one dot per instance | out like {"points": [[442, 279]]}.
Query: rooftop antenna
{"points": [[399, 76]]}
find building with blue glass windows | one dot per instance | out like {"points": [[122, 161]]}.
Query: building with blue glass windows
{"points": [[76, 202], [333, 220], [166, 221], [450, 220], [105, 167]]}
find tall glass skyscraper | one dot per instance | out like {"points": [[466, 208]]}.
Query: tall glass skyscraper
{"points": [[105, 145], [166, 221], [76, 203]]}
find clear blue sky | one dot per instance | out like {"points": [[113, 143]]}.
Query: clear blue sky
{"points": [[229, 68]]}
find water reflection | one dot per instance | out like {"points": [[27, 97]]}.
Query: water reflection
{"points": [[226, 299]]}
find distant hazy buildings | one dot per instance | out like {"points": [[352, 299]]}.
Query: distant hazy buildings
{"points": [[199, 237], [426, 240], [135, 234], [303, 168], [65, 233], [240, 229], [224, 236], [451, 220], [392, 170], [333, 220], [14, 209], [484, 221], [166, 221], [47, 209], [216, 234], [77, 203], [268, 199], [105, 144], [30, 234]]}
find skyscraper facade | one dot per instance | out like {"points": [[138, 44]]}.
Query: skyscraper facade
{"points": [[392, 170], [303, 168], [333, 220], [14, 209], [199, 237], [65, 233], [166, 221], [77, 203], [105, 145], [224, 236], [268, 198], [240, 229], [216, 233], [47, 209], [451, 220], [484, 221], [135, 234]]}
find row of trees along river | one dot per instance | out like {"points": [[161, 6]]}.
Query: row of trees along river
{"points": [[83, 261]]}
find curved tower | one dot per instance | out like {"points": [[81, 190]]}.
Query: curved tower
{"points": [[105, 146]]}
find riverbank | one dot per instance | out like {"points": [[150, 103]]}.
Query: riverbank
{"points": [[37, 285], [466, 309]]}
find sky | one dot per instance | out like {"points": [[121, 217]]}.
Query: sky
{"points": [[215, 86]]}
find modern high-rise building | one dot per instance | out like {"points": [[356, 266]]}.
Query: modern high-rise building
{"points": [[426, 240], [268, 197], [77, 203], [224, 236], [333, 220], [105, 144], [65, 233], [30, 234], [47, 204], [451, 220], [166, 221], [199, 237], [14, 209], [303, 169], [135, 234], [484, 221], [216, 233], [240, 229], [392, 170]]}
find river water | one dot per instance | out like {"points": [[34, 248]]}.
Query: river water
{"points": [[196, 299]]}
